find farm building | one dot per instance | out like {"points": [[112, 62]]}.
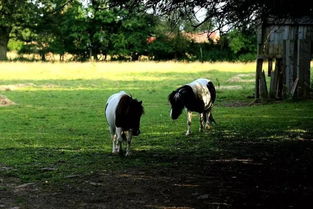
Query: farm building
{"points": [[202, 37], [288, 44]]}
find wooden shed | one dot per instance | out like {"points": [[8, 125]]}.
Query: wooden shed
{"points": [[286, 44]]}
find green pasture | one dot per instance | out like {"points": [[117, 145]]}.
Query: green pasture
{"points": [[57, 127]]}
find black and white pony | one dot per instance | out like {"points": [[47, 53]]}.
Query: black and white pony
{"points": [[123, 114], [197, 96]]}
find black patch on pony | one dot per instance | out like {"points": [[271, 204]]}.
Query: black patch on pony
{"points": [[185, 97], [128, 113], [212, 91], [213, 97]]}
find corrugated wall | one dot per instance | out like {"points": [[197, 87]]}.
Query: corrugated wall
{"points": [[291, 43]]}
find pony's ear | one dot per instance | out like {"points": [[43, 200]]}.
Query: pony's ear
{"points": [[140, 102]]}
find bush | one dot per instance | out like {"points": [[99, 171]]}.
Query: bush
{"points": [[15, 45], [168, 48], [210, 52], [247, 57]]}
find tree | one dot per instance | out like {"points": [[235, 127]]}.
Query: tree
{"points": [[231, 13], [242, 43], [71, 33], [13, 14], [101, 28], [170, 42], [37, 15], [136, 29]]}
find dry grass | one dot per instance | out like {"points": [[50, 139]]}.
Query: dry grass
{"points": [[111, 70]]}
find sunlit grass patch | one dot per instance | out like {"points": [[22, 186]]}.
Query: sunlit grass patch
{"points": [[58, 121], [112, 70]]}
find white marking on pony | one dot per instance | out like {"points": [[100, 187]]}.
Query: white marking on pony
{"points": [[118, 140], [176, 96], [118, 135], [189, 117], [129, 135], [200, 89], [197, 96], [202, 124]]}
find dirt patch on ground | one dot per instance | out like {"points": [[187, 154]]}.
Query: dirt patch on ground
{"points": [[238, 104], [4, 101], [242, 78], [13, 87], [232, 87]]}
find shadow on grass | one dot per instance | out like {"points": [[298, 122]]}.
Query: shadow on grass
{"points": [[235, 173]]}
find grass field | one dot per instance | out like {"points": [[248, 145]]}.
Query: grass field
{"points": [[55, 145]]}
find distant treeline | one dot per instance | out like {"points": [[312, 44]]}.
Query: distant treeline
{"points": [[111, 33]]}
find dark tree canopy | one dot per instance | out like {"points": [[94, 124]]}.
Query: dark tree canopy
{"points": [[237, 13], [88, 28]]}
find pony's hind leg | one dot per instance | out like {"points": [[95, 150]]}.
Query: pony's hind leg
{"points": [[210, 120], [189, 117], [118, 140], [129, 139], [113, 136], [202, 121]]}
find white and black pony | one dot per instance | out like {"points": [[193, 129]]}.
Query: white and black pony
{"points": [[123, 114], [197, 96]]}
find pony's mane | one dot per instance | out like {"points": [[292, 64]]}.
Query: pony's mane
{"points": [[175, 95], [185, 97], [137, 105], [126, 107]]}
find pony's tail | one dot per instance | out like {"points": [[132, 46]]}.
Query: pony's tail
{"points": [[212, 91], [211, 119]]}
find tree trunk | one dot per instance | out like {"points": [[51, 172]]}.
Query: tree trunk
{"points": [[95, 56], [62, 57], [4, 39], [135, 56], [259, 65], [43, 56]]}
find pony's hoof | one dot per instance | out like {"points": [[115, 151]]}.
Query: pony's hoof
{"points": [[207, 127], [116, 151], [128, 154], [188, 133]]}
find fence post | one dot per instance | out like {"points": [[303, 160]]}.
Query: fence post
{"points": [[259, 64]]}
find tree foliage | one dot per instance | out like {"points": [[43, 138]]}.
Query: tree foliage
{"points": [[235, 13], [14, 14], [99, 29], [35, 16]]}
